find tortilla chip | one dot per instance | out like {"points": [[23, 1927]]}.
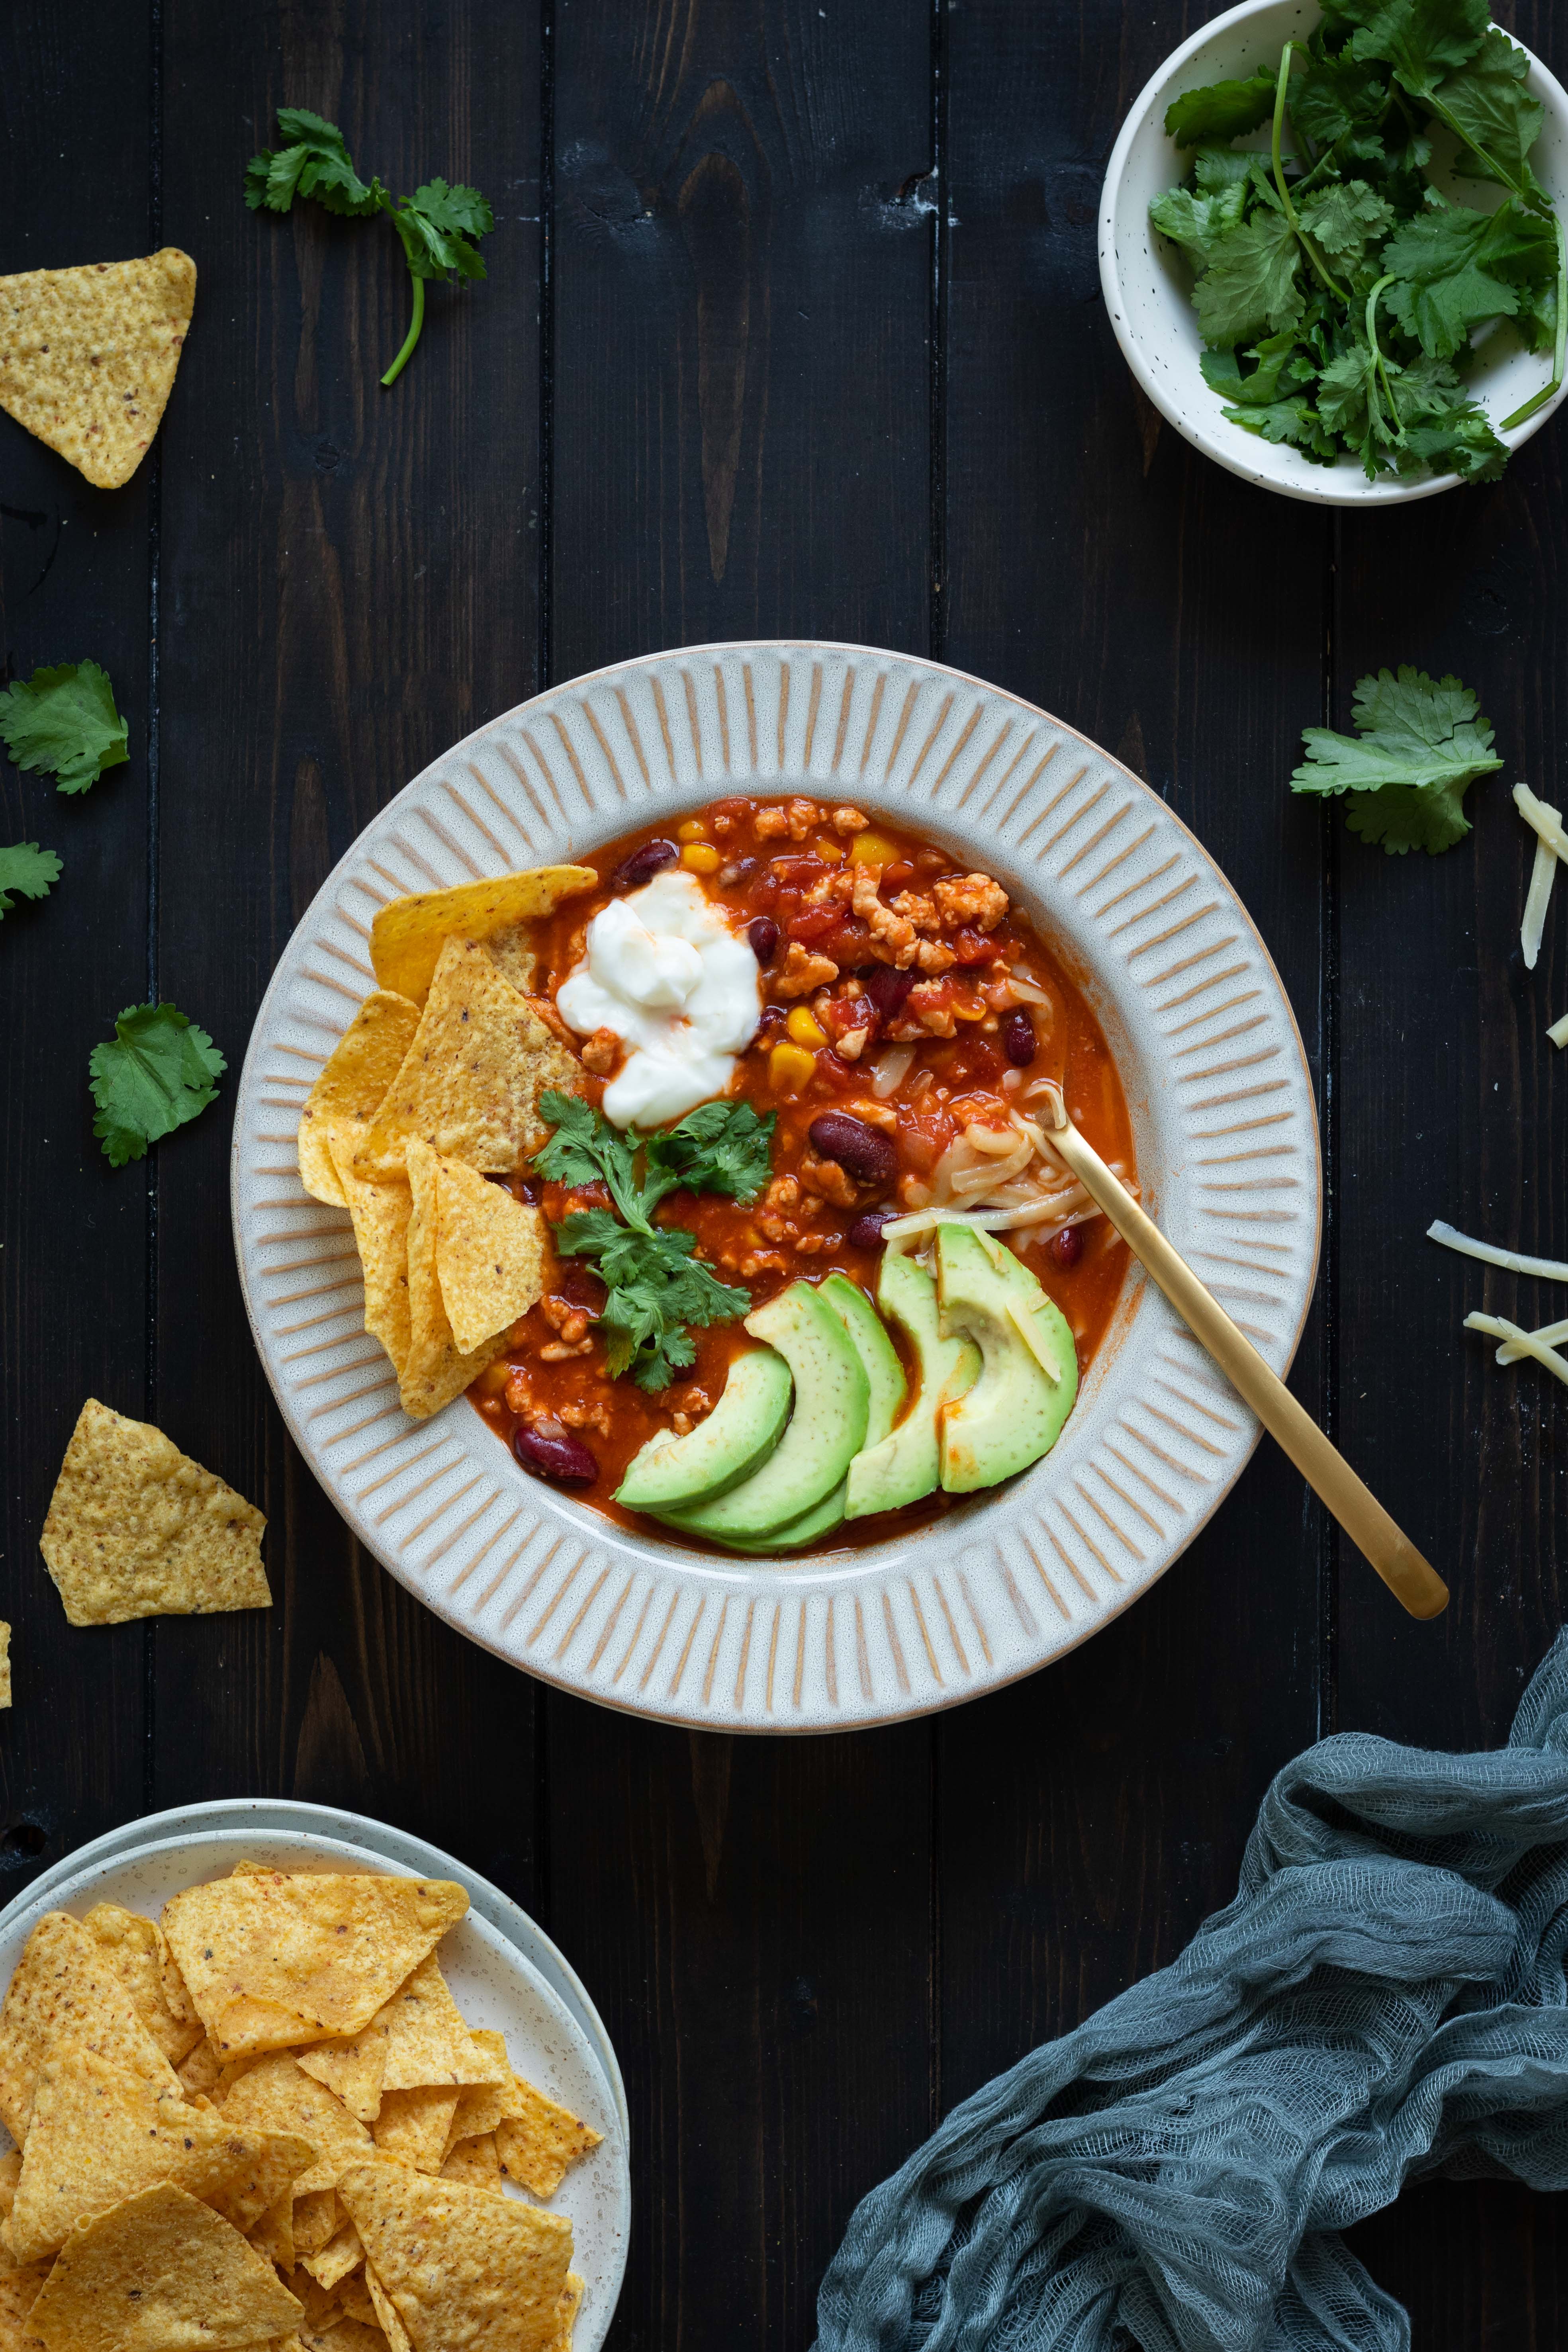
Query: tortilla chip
{"points": [[98, 2134], [20, 2287], [342, 2254], [353, 2069], [479, 2110], [470, 1082], [63, 1985], [436, 1371], [412, 2126], [354, 2297], [88, 356], [406, 938], [281, 1959], [199, 2072], [475, 2162], [5, 1664], [134, 1950], [315, 2221], [352, 1087], [388, 2318], [566, 2312], [276, 2095], [416, 2039], [273, 2234], [458, 2266], [159, 2272], [380, 1214], [539, 2141], [346, 2334], [136, 1528], [492, 1257]]}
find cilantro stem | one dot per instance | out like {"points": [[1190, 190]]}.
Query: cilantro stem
{"points": [[1560, 349], [1381, 367], [416, 323], [1302, 239]]}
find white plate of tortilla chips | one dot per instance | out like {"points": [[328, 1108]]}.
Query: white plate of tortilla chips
{"points": [[267, 2067]]}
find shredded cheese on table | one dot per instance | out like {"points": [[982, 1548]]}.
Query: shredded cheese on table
{"points": [[1548, 1269], [1550, 843], [1550, 1335], [1522, 1342], [1558, 1032]]}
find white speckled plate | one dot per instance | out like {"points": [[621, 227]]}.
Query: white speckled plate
{"points": [[1228, 1151], [493, 1984]]}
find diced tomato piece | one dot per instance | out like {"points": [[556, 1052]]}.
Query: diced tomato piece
{"points": [[810, 924], [971, 947]]}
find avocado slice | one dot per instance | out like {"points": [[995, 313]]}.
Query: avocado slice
{"points": [[885, 1375], [737, 1438], [905, 1465], [824, 1432], [1015, 1412]]}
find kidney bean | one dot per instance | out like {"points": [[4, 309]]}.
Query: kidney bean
{"points": [[644, 863], [862, 1151], [764, 935], [887, 989], [566, 1459], [1067, 1247], [866, 1233], [1018, 1040]]}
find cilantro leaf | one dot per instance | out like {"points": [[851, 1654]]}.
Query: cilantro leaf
{"points": [[1488, 104], [1196, 222], [1293, 421], [156, 1072], [28, 869], [63, 722], [1421, 39], [1443, 286], [436, 224], [586, 1149], [314, 161], [1345, 217], [1220, 109], [1338, 95], [1251, 283], [720, 1147], [1417, 749], [655, 1290]]}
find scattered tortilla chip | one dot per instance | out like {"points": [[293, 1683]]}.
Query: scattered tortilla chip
{"points": [[436, 1371], [5, 1664], [276, 2095], [459, 2267], [470, 1082], [352, 1087], [315, 2221], [63, 1985], [412, 2126], [388, 2317], [135, 1951], [342, 2254], [273, 2234], [136, 1528], [98, 2134], [157, 2271], [88, 356], [539, 2141], [380, 1213], [492, 1254], [406, 938], [475, 2162], [290, 1957]]}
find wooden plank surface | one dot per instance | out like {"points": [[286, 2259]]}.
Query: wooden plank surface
{"points": [[791, 326]]}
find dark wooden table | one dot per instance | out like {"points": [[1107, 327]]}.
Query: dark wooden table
{"points": [[792, 325]]}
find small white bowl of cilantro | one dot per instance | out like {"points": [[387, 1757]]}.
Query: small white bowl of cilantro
{"points": [[1332, 250]]}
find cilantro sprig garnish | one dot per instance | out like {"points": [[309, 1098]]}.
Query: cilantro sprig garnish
{"points": [[1337, 288], [155, 1072], [1417, 749], [27, 869], [657, 1291], [438, 224], [62, 722]]}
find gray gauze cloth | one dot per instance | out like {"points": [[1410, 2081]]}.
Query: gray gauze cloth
{"points": [[1384, 1999]]}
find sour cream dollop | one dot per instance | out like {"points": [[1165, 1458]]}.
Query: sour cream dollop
{"points": [[667, 976]]}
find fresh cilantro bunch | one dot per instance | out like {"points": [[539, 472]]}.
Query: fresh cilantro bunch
{"points": [[436, 223], [1337, 289], [658, 1290], [156, 1072], [62, 722], [27, 868], [1417, 749]]}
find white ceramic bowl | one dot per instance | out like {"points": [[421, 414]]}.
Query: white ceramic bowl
{"points": [[486, 1959], [1227, 1153], [1147, 281]]}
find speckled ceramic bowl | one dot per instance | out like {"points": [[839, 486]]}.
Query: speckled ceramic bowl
{"points": [[1147, 281], [493, 1983], [1227, 1154]]}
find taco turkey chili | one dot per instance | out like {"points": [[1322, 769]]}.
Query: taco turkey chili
{"points": [[892, 1022]]}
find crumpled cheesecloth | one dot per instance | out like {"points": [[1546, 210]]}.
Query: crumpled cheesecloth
{"points": [[1385, 1998]]}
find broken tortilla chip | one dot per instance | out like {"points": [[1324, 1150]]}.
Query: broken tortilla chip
{"points": [[156, 2271], [474, 2162], [98, 2134], [388, 2317], [435, 1370], [273, 2234], [63, 1984], [316, 2221], [566, 2312], [407, 936], [342, 2254], [276, 2095], [539, 2141], [135, 1951], [352, 1087], [88, 356], [381, 1212], [412, 2126], [136, 1528], [470, 1081], [457, 2265], [416, 2039], [276, 1958], [492, 1254]]}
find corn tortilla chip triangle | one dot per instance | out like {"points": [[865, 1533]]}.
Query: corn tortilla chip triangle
{"points": [[136, 1528], [492, 1254], [353, 2294], [98, 2134], [436, 1371], [135, 1952], [349, 2333], [62, 1985], [459, 2266], [412, 2126], [353, 2069], [388, 2316], [417, 2038], [539, 2140], [566, 2312], [407, 936], [474, 2161], [199, 2072], [160, 2273], [470, 1081], [381, 1212], [276, 2095], [273, 2234], [352, 1087], [88, 356], [278, 1957], [315, 2222], [342, 2254]]}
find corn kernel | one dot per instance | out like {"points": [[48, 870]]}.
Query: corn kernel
{"points": [[700, 857], [692, 830], [804, 1027], [831, 851], [872, 849], [790, 1067]]}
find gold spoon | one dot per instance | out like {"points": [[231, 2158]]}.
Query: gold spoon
{"points": [[1410, 1579]]}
